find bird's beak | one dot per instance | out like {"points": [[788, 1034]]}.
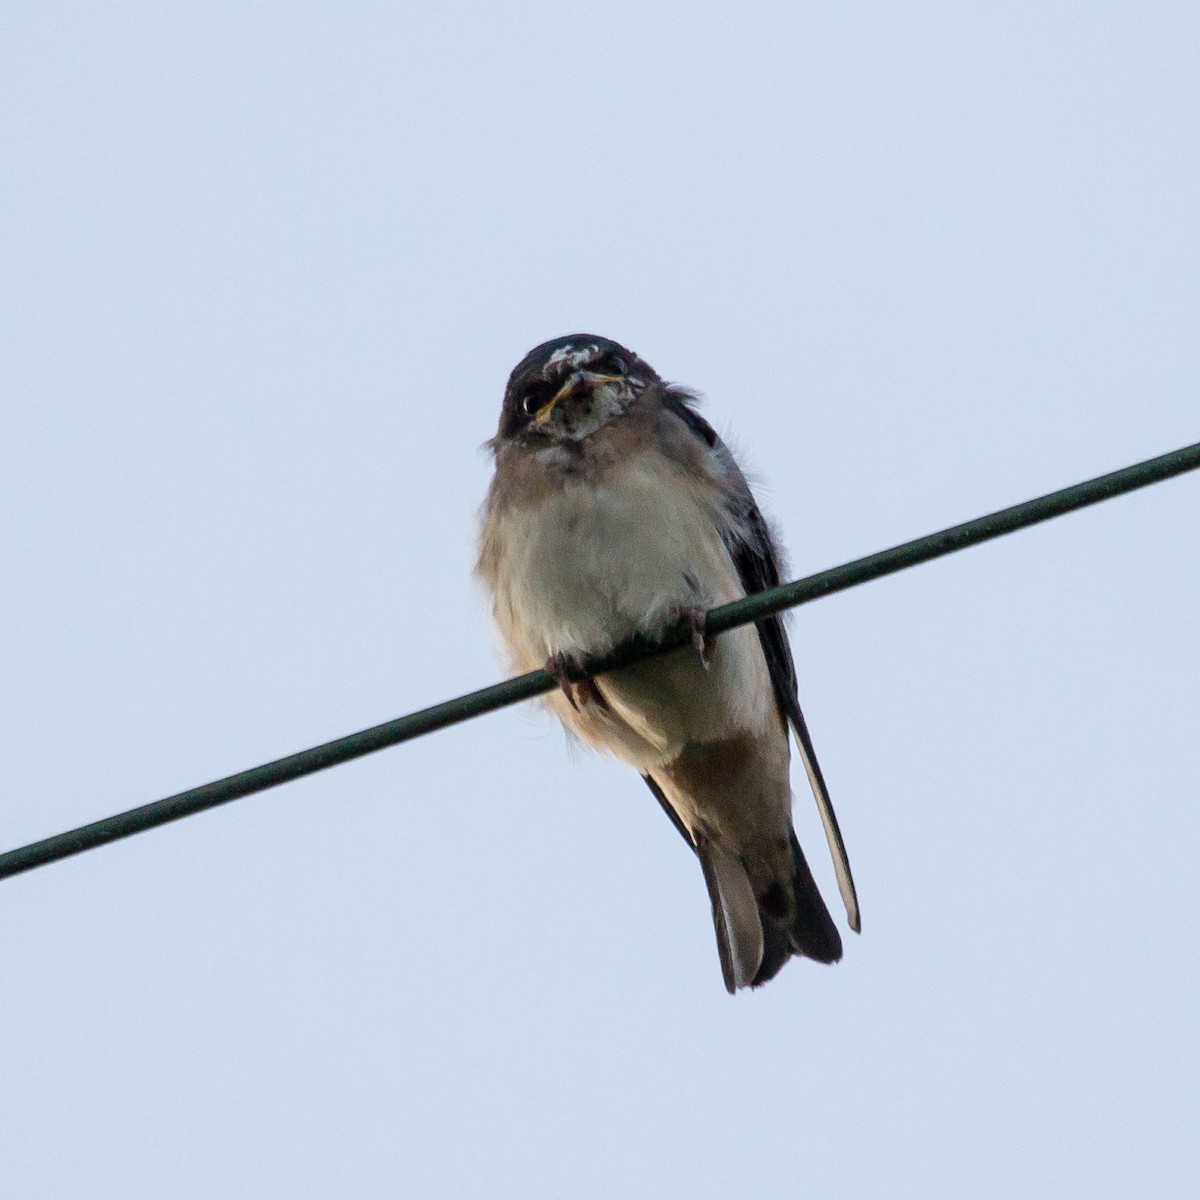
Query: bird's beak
{"points": [[567, 390], [577, 382]]}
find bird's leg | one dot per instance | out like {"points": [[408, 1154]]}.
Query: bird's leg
{"points": [[572, 675]]}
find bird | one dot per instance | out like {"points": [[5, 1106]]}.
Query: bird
{"points": [[616, 514]]}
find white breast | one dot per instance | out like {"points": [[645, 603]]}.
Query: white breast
{"points": [[597, 562]]}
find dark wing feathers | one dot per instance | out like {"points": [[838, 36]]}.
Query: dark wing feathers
{"points": [[669, 810], [724, 950], [757, 563]]}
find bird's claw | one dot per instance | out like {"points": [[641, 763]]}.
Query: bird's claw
{"points": [[572, 676], [696, 619]]}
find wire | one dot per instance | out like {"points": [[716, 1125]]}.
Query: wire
{"points": [[525, 687]]}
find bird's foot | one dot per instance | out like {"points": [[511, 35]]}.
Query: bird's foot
{"points": [[574, 678], [695, 619]]}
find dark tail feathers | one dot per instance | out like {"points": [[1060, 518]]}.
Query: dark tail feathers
{"points": [[811, 933], [755, 935], [753, 945]]}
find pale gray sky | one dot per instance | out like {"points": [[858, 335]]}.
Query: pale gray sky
{"points": [[266, 268]]}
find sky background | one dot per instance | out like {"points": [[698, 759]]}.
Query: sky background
{"points": [[265, 270]]}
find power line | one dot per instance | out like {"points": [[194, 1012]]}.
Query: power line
{"points": [[525, 687]]}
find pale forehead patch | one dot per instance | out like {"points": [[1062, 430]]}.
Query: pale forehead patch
{"points": [[574, 356]]}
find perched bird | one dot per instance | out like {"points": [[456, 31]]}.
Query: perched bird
{"points": [[615, 513]]}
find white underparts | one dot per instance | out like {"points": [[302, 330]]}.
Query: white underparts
{"points": [[598, 562]]}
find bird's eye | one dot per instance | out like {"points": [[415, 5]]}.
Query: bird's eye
{"points": [[534, 399], [613, 363]]}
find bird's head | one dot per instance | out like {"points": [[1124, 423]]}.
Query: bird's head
{"points": [[567, 388]]}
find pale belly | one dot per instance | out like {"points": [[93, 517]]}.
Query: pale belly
{"points": [[595, 564]]}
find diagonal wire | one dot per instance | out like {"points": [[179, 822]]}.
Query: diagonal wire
{"points": [[525, 687]]}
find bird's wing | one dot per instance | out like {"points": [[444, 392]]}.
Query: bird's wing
{"points": [[720, 923], [753, 552]]}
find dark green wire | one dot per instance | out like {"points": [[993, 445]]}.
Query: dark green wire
{"points": [[524, 687]]}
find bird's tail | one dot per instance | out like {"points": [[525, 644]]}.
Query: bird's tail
{"points": [[756, 935]]}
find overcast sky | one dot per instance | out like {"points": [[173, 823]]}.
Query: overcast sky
{"points": [[265, 270]]}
